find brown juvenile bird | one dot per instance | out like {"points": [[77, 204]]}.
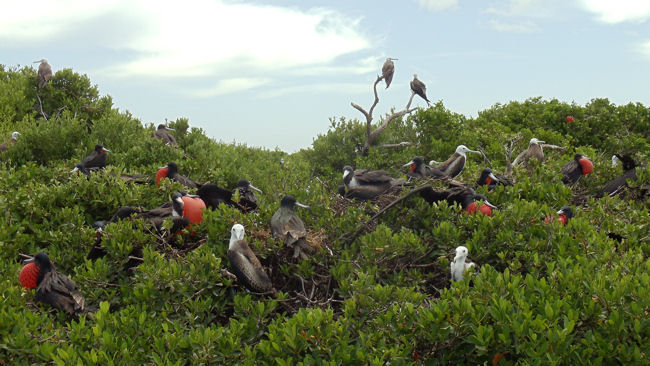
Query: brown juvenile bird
{"points": [[244, 262], [419, 88], [288, 227], [44, 73], [162, 133], [5, 145], [534, 151], [56, 289], [388, 70]]}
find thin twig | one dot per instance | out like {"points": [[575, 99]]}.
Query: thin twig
{"points": [[40, 104]]}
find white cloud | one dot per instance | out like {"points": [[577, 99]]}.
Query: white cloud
{"points": [[520, 27], [438, 5], [618, 11], [39, 19], [228, 86], [216, 38]]}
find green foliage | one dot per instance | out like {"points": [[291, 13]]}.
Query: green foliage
{"points": [[543, 293]]}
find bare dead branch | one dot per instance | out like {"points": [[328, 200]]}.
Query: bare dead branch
{"points": [[401, 144], [508, 149], [40, 105], [485, 158], [553, 147]]}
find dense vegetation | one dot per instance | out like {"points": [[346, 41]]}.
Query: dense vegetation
{"points": [[544, 293]]}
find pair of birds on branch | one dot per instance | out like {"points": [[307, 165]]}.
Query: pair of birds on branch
{"points": [[417, 86]]}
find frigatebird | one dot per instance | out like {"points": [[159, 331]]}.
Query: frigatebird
{"points": [[288, 227], [534, 150], [417, 169], [456, 162], [576, 168], [387, 71], [5, 145], [213, 195], [419, 88], [162, 133], [244, 262], [171, 171], [54, 288], [44, 72]]}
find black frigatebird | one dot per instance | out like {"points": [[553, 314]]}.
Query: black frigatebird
{"points": [[488, 178], [213, 195], [54, 288], [629, 172], [171, 171], [576, 168], [417, 169]]}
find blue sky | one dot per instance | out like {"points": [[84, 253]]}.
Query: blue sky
{"points": [[272, 73]]}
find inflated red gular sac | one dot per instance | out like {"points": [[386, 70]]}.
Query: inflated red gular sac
{"points": [[576, 168], [484, 207], [565, 213]]}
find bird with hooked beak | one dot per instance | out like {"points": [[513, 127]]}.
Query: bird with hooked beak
{"points": [[244, 263], [456, 162], [419, 170], [52, 287], [534, 150], [488, 178], [418, 87], [565, 214], [288, 227], [576, 168], [171, 171], [213, 196], [162, 133], [459, 265], [44, 72], [387, 71], [95, 161]]}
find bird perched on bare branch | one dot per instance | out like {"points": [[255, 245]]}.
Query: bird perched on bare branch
{"points": [[534, 151], [419, 88], [388, 70], [44, 73]]}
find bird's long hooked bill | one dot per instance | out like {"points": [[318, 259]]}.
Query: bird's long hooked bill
{"points": [[169, 128], [345, 173], [105, 149], [493, 177], [255, 188], [489, 204], [408, 164], [30, 260], [75, 169], [560, 212], [301, 205]]}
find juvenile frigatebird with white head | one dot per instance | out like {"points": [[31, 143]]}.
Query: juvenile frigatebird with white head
{"points": [[534, 150], [419, 88], [44, 72], [5, 145], [388, 70], [459, 265], [244, 262], [456, 162]]}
